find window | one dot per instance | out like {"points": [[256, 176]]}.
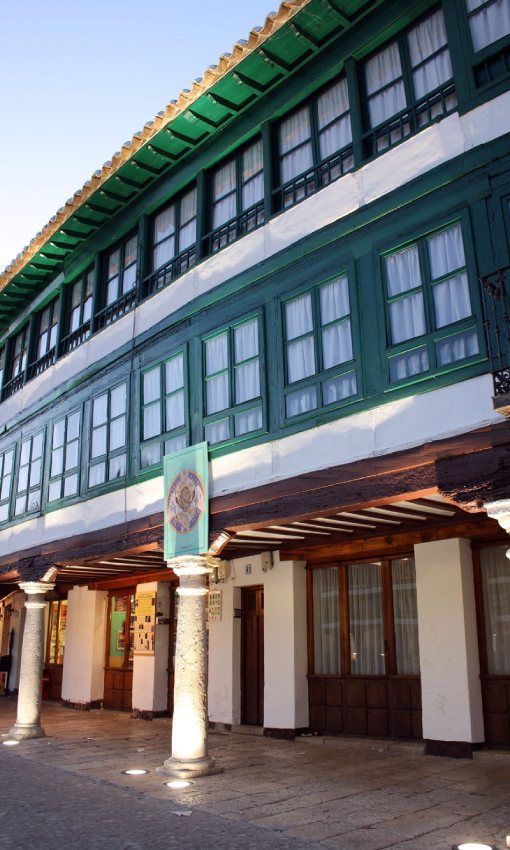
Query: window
{"points": [[315, 145], [237, 197], [46, 339], [489, 20], [400, 102], [232, 382], [429, 278], [2, 366], [57, 622], [18, 364], [108, 458], [6, 473], [65, 457], [79, 311], [495, 568], [163, 410], [174, 235], [121, 630], [358, 595], [319, 353], [28, 491], [119, 281]]}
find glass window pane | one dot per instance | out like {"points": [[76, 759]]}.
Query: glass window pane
{"points": [[495, 568], [175, 444], [100, 408], [25, 452], [336, 344], [151, 421], [188, 206], [446, 251], [34, 501], [118, 397], [427, 38], [332, 103], [334, 298], [409, 364], [217, 393], [403, 270], [164, 223], [365, 620], [457, 347], [253, 191], [224, 210], [150, 455], [4, 513], [301, 402], [250, 420], [71, 455], [216, 354], [298, 316], [37, 445], [326, 621], [97, 474], [71, 485], [6, 486], [57, 462], [224, 180], [98, 447], [54, 490], [383, 68], [407, 317], [297, 162], [117, 467], [490, 23], [187, 235], [114, 264], [300, 359], [129, 279], [339, 388], [247, 381], [163, 252], [8, 461], [252, 160], [175, 411], [246, 340], [405, 613], [19, 507], [22, 479], [112, 290], [151, 385], [35, 473], [130, 251], [117, 433], [174, 373], [336, 137], [217, 431], [451, 300], [295, 130], [58, 433], [73, 426]]}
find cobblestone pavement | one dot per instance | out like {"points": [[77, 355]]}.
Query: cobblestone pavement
{"points": [[314, 793]]}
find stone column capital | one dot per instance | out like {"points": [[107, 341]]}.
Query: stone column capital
{"points": [[500, 511], [35, 592], [193, 565]]}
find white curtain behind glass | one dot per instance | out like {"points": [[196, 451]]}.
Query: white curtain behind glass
{"points": [[246, 348], [424, 40], [365, 620], [252, 175], [216, 360], [333, 110], [326, 621], [188, 228], [381, 70], [405, 612], [295, 133], [407, 315], [301, 353], [496, 597], [490, 23], [451, 297], [224, 184]]}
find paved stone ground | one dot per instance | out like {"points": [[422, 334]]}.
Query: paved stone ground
{"points": [[315, 793]]}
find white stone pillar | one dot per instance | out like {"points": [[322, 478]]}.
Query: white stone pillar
{"points": [[150, 672], [83, 674], [28, 720], [500, 511], [449, 663], [189, 727]]}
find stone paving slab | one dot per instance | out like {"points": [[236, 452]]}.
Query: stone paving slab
{"points": [[338, 793]]}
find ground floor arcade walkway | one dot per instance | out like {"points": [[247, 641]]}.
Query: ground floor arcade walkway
{"points": [[343, 793]]}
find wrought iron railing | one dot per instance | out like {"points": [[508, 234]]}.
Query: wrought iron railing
{"points": [[495, 291], [228, 232], [169, 272], [315, 178], [41, 364], [436, 105], [12, 386], [493, 68], [116, 309], [75, 338]]}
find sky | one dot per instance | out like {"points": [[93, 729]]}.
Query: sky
{"points": [[77, 79]]}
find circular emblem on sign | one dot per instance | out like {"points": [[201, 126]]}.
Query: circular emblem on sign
{"points": [[185, 503]]}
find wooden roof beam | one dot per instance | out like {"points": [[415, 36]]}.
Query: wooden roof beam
{"points": [[269, 56], [247, 81], [151, 169]]}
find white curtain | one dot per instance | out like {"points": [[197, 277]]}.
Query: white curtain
{"points": [[188, 229], [407, 365], [334, 298], [446, 251], [250, 420], [333, 109], [405, 614], [365, 620], [216, 359], [339, 388], [152, 405], [300, 354], [174, 410], [295, 131], [336, 344], [151, 420], [253, 176], [488, 24], [407, 318], [224, 184], [174, 373], [496, 596], [424, 40], [117, 433], [381, 70], [451, 300], [151, 385], [217, 431], [457, 347], [403, 270], [246, 347], [326, 621], [301, 402]]}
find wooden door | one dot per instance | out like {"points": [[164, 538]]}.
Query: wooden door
{"points": [[252, 656], [118, 671]]}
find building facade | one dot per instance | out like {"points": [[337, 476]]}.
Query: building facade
{"points": [[304, 260]]}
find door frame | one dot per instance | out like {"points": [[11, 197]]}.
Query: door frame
{"points": [[260, 661]]}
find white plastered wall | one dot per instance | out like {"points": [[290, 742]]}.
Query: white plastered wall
{"points": [[83, 674], [285, 683], [150, 676], [16, 624], [447, 630]]}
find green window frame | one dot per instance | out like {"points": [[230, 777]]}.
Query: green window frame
{"points": [[174, 235], [430, 305], [7, 458], [404, 88], [78, 319], [236, 196], [2, 366], [45, 342], [108, 436], [314, 144], [120, 268], [164, 420], [30, 475], [487, 31], [64, 475], [320, 359], [17, 363], [234, 405]]}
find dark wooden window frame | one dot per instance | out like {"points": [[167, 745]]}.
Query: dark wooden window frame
{"points": [[182, 260], [47, 358], [74, 338], [125, 301]]}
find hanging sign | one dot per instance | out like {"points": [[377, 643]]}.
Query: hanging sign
{"points": [[186, 508], [144, 623]]}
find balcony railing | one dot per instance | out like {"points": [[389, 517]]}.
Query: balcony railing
{"points": [[436, 105], [75, 338], [116, 309], [41, 364], [313, 179], [495, 291], [12, 386], [169, 272], [231, 230], [494, 67]]}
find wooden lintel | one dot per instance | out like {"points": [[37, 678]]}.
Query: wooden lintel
{"points": [[133, 579]]}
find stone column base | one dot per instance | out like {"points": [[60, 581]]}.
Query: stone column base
{"points": [[22, 732], [189, 769]]}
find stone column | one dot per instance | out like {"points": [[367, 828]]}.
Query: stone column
{"points": [[189, 727], [28, 721], [500, 511]]}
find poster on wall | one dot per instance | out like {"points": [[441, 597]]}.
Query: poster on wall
{"points": [[186, 502], [145, 623]]}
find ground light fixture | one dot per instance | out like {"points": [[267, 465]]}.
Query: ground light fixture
{"points": [[10, 742], [135, 771], [473, 845], [178, 784]]}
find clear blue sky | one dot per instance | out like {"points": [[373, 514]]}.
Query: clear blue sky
{"points": [[77, 79]]}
